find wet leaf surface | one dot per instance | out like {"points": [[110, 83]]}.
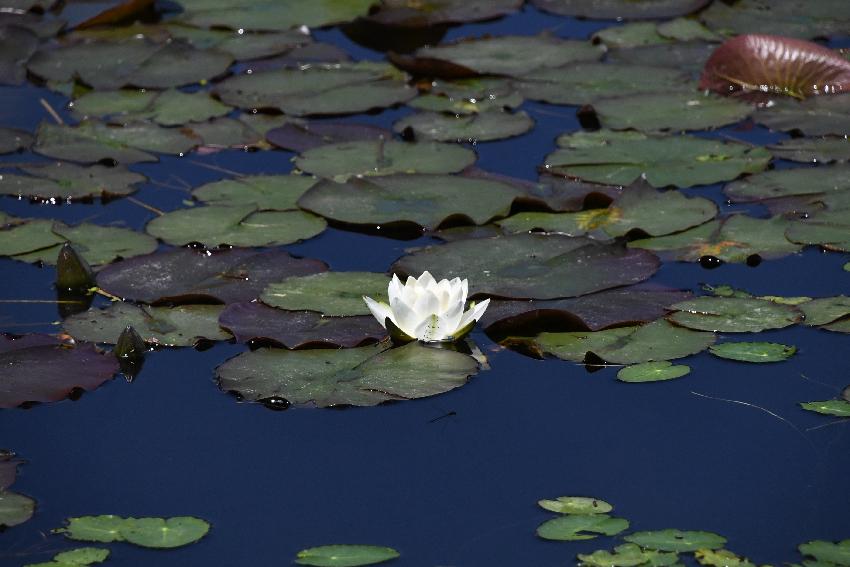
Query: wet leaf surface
{"points": [[265, 192], [168, 108], [753, 351], [581, 527], [674, 111], [721, 558], [363, 376], [329, 293], [829, 229], [839, 408], [159, 533], [825, 310], [576, 505], [480, 127], [15, 508], [657, 371], [66, 181], [781, 18], [733, 314], [676, 540], [12, 140], [345, 555], [189, 275], [687, 56], [407, 14], [812, 150], [837, 553], [627, 555], [17, 45], [816, 116], [38, 368], [305, 135]]}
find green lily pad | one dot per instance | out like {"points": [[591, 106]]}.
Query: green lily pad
{"points": [[733, 314], [812, 150], [815, 116], [581, 527], [240, 225], [189, 275], [329, 293], [265, 192], [531, 265], [676, 540], [159, 533], [168, 108], [790, 182], [620, 158], [840, 408], [638, 208], [821, 19], [12, 140], [427, 200], [721, 558], [753, 351], [15, 508], [183, 325], [272, 15], [687, 29], [241, 46], [66, 181], [344, 88], [91, 141], [653, 371], [80, 556], [406, 14], [689, 57], [345, 555], [511, 55], [22, 237], [585, 83], [363, 376], [620, 9], [17, 45], [469, 96], [632, 34], [733, 239], [576, 505], [628, 555], [222, 133], [825, 310], [830, 229], [657, 341], [344, 160], [837, 553], [480, 127], [674, 111]]}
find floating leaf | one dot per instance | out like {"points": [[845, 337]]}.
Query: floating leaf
{"points": [[303, 135], [630, 35], [830, 229], [771, 64], [840, 408], [620, 9], [685, 56], [816, 116], [531, 265], [188, 275], [239, 225], [8, 468], [733, 314], [15, 508], [17, 45], [790, 182], [581, 527], [481, 127], [721, 558], [38, 368], [265, 192], [167, 326], [242, 46], [272, 15], [674, 111], [405, 14], [363, 376], [23, 237], [427, 200], [345, 555], [820, 19], [160, 533], [812, 150], [576, 505], [168, 108], [298, 329], [344, 88], [12, 140], [825, 310], [67, 181], [753, 351], [686, 29], [469, 96], [734, 239], [657, 341], [329, 293], [628, 555], [348, 159], [676, 540], [620, 158], [837, 553], [653, 371]]}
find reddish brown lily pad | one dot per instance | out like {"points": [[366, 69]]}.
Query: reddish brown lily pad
{"points": [[189, 275], [298, 329], [38, 368], [774, 64]]}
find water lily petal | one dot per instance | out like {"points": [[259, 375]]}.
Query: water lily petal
{"points": [[394, 290], [474, 314], [432, 329], [406, 318], [380, 310], [427, 304]]}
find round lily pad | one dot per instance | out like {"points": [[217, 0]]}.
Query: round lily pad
{"points": [[686, 56], [480, 127], [345, 555], [581, 527], [189, 275], [168, 108], [159, 533], [812, 150], [753, 351], [343, 160], [676, 540], [15, 508], [531, 265], [656, 371], [620, 9], [265, 192], [38, 368], [673, 111], [12, 140], [304, 135], [272, 15], [363, 376], [837, 553], [183, 325], [818, 19], [238, 225], [427, 200], [830, 229], [255, 322], [840, 408], [405, 14], [733, 314], [329, 293], [816, 116], [790, 182], [825, 310], [620, 158], [66, 181], [627, 555], [576, 505]]}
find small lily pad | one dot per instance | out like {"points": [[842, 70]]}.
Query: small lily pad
{"points": [[721, 558], [329, 293], [265, 192], [676, 540], [576, 505], [15, 508], [816, 116], [159, 533], [840, 408], [674, 111], [479, 127], [581, 527], [656, 371], [81, 556], [734, 314], [753, 351], [628, 555], [345, 555], [240, 225], [66, 181]]}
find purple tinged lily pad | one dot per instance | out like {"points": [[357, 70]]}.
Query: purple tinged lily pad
{"points": [[187, 275], [298, 329], [8, 468], [38, 368], [302, 136]]}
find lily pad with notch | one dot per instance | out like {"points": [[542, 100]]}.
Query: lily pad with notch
{"points": [[189, 275], [479, 127], [330, 293], [265, 192], [158, 533], [532, 266], [576, 505], [576, 527], [673, 111], [67, 181], [15, 509], [167, 108], [345, 555], [676, 540], [363, 376], [734, 314], [838, 408], [815, 116], [753, 351], [628, 555]]}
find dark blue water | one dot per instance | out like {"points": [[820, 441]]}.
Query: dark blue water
{"points": [[459, 491]]}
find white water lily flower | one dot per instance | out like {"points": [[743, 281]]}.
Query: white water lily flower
{"points": [[426, 309]]}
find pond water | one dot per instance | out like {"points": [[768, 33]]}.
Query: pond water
{"points": [[450, 480]]}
